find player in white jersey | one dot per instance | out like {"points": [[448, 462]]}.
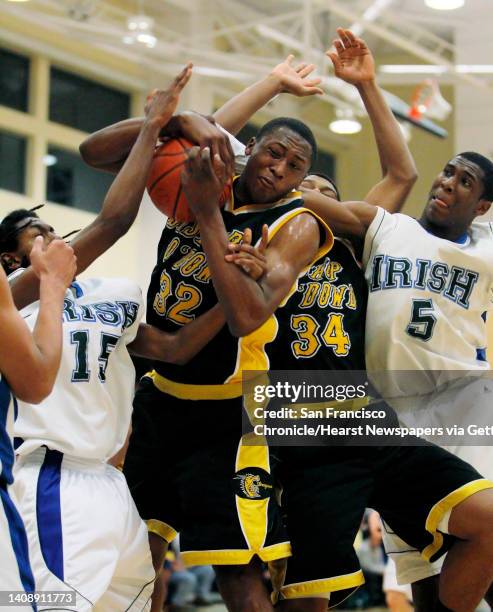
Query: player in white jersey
{"points": [[28, 366], [430, 282], [84, 530]]}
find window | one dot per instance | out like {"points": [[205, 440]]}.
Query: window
{"points": [[73, 183], [12, 162], [14, 80], [84, 104]]}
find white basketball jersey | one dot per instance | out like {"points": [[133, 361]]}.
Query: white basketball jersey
{"points": [[428, 298], [88, 413]]}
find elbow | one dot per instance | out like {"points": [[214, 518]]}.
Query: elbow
{"points": [[240, 327], [33, 393], [407, 177], [86, 152]]}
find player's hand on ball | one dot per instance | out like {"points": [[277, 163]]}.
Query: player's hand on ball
{"points": [[162, 103], [202, 131], [250, 259], [203, 180], [353, 61], [57, 260]]}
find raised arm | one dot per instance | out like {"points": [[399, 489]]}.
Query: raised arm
{"points": [[291, 249], [122, 202], [353, 63], [284, 78], [30, 361]]}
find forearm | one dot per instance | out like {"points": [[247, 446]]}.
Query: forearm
{"points": [[122, 202], [47, 332], [394, 154], [181, 346], [235, 113], [112, 144], [242, 316], [339, 216]]}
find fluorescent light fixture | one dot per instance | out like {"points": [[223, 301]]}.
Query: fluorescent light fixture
{"points": [[474, 68], [50, 160], [412, 69], [444, 5], [220, 73], [435, 69], [128, 39]]}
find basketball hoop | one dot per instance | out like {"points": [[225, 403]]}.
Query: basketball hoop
{"points": [[428, 100]]}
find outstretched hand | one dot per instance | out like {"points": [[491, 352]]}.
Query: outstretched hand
{"points": [[203, 180], [293, 79], [251, 260], [353, 61], [162, 103]]}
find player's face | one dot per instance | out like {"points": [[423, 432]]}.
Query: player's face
{"points": [[26, 237], [455, 196], [277, 164], [320, 184]]}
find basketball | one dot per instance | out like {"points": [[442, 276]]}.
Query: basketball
{"points": [[164, 182]]}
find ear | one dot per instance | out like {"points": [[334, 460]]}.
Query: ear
{"points": [[250, 144], [482, 207], [10, 261]]}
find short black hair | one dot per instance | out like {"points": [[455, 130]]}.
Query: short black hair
{"points": [[486, 166], [10, 227], [296, 126], [328, 178]]}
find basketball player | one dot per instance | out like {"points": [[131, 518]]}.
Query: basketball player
{"points": [[304, 345], [460, 193], [217, 530], [84, 530], [28, 366]]}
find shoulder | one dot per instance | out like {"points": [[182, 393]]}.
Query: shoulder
{"points": [[108, 288]]}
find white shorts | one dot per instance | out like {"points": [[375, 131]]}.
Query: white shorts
{"points": [[460, 405], [390, 581], [16, 574], [84, 532]]}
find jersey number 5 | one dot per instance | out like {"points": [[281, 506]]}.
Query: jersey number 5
{"points": [[423, 320]]}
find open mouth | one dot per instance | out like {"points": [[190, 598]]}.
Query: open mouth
{"points": [[439, 202]]}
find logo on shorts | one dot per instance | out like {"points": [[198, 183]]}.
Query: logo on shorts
{"points": [[253, 483]]}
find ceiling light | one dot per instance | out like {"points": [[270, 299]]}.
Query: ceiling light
{"points": [[142, 23], [149, 40], [444, 5], [50, 160], [345, 123]]}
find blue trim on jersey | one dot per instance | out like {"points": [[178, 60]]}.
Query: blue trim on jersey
{"points": [[6, 449], [484, 315], [481, 354], [460, 240], [18, 539], [48, 512], [78, 289]]}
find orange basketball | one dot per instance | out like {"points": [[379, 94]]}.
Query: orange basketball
{"points": [[164, 182]]}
